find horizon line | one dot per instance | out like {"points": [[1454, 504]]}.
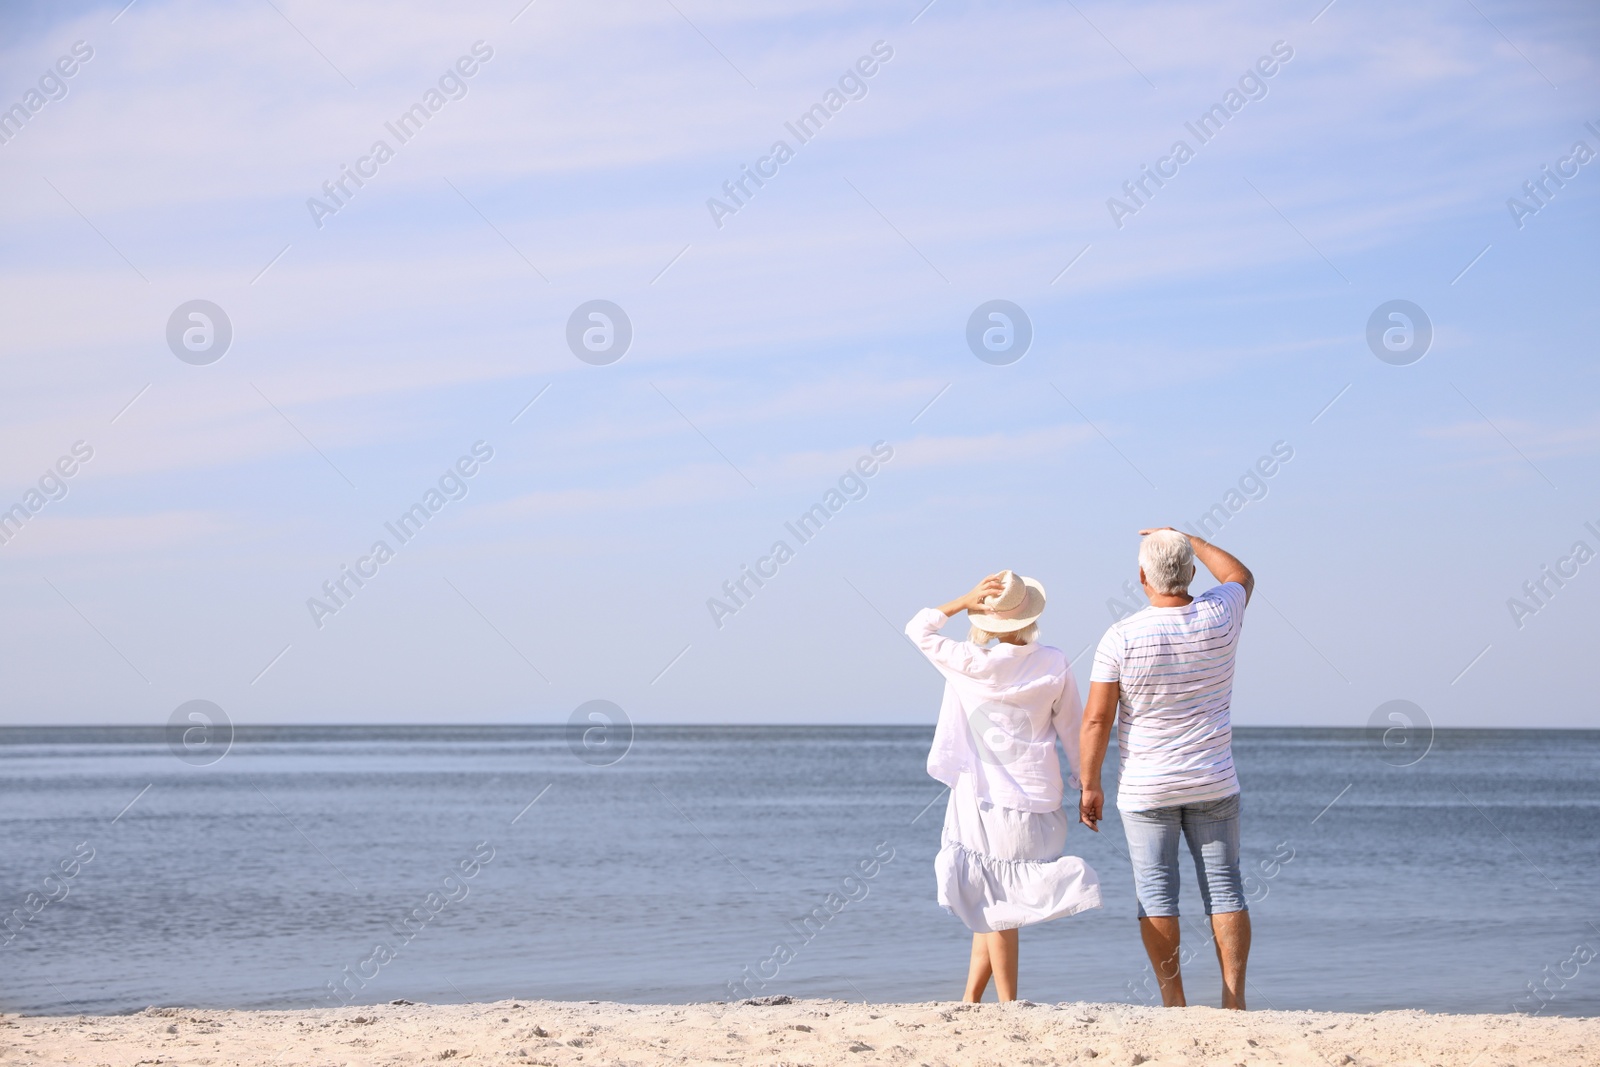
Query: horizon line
{"points": [[669, 725]]}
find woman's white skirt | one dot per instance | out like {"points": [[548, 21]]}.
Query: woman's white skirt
{"points": [[999, 868]]}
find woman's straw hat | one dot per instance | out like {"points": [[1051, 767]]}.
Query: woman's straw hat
{"points": [[1019, 604]]}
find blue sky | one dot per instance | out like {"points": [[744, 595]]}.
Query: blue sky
{"points": [[1169, 353]]}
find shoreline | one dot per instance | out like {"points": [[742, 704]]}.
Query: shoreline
{"points": [[779, 1032]]}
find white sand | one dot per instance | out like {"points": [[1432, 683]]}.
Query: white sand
{"points": [[816, 1032]]}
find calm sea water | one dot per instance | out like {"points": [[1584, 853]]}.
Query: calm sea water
{"points": [[256, 881]]}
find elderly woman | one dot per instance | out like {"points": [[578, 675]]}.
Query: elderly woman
{"points": [[1000, 865]]}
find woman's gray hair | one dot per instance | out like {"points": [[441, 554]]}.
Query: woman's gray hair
{"points": [[1025, 636], [1167, 559]]}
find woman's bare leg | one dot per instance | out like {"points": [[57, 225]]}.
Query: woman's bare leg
{"points": [[978, 970], [1003, 961]]}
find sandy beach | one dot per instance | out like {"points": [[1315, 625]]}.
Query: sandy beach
{"points": [[791, 1034]]}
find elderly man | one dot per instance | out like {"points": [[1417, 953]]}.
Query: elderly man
{"points": [[1164, 675]]}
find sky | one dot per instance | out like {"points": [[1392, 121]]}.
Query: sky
{"points": [[385, 337]]}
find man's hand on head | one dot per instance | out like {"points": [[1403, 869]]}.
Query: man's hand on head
{"points": [[1223, 565], [1193, 540]]}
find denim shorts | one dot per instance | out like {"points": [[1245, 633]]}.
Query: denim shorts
{"points": [[1212, 830]]}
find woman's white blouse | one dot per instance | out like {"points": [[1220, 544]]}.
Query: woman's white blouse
{"points": [[1004, 708]]}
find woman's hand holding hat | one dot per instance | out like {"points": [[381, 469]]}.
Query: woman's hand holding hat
{"points": [[975, 598]]}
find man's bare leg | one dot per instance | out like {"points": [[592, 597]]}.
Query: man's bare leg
{"points": [[1003, 958], [1161, 934], [978, 970], [1232, 930]]}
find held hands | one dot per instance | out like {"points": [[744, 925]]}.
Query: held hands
{"points": [[1091, 806]]}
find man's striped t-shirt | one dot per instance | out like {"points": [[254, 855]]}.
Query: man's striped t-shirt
{"points": [[1175, 670]]}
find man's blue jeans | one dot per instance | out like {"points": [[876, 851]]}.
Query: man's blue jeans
{"points": [[1212, 831]]}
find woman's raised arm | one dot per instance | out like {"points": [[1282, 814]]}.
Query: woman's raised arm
{"points": [[923, 629], [974, 598]]}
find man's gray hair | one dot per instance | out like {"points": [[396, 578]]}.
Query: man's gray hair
{"points": [[1167, 558]]}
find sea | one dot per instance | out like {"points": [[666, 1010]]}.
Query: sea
{"points": [[290, 867]]}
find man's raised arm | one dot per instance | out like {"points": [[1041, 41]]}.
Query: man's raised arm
{"points": [[1223, 565]]}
